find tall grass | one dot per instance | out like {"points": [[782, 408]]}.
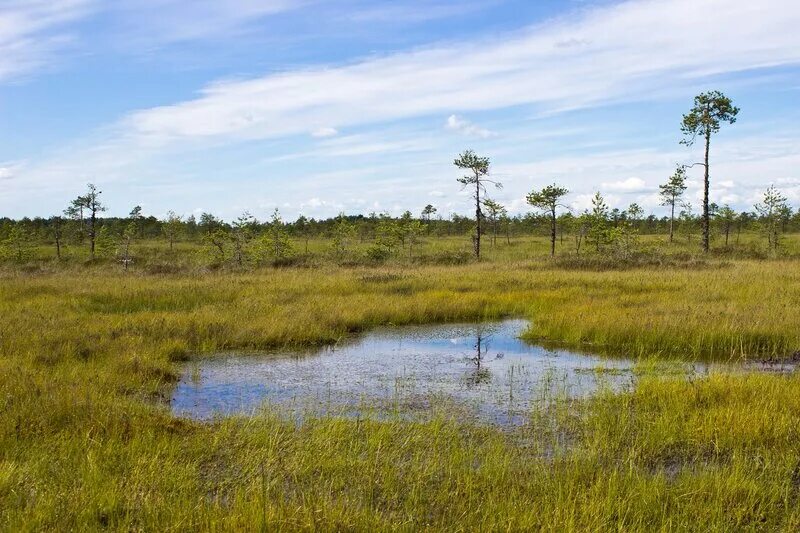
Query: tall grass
{"points": [[88, 358]]}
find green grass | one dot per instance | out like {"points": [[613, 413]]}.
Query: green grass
{"points": [[89, 356], [154, 255]]}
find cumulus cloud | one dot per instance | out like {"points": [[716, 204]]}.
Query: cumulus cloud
{"points": [[465, 127], [626, 185]]}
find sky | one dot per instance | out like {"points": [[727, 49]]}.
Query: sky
{"points": [[318, 107]]}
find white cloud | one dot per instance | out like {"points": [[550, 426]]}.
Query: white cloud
{"points": [[159, 22], [321, 133], [626, 185], [416, 11], [465, 127], [314, 206], [31, 31], [626, 52], [359, 146], [10, 170], [6, 173]]}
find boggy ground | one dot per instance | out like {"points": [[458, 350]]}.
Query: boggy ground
{"points": [[88, 357]]}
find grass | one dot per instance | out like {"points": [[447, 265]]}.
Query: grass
{"points": [[89, 356]]}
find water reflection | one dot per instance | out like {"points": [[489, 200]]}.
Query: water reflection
{"points": [[481, 370], [480, 374]]}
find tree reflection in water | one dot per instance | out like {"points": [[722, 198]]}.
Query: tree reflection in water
{"points": [[480, 374]]}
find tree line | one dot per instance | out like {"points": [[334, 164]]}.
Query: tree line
{"points": [[599, 228]]}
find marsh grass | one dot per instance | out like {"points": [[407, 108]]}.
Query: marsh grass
{"points": [[89, 356]]}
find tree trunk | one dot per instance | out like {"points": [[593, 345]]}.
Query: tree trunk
{"points": [[706, 214], [125, 260], [553, 233], [92, 234], [477, 217], [672, 220]]}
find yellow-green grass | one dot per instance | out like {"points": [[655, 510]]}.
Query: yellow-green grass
{"points": [[88, 358]]}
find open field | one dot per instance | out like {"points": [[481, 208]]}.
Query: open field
{"points": [[89, 355]]}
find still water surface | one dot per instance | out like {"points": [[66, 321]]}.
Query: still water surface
{"points": [[484, 371]]}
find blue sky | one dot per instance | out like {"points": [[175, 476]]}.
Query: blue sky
{"points": [[322, 106]]}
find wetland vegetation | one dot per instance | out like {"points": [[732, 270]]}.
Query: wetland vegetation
{"points": [[90, 355], [132, 371]]}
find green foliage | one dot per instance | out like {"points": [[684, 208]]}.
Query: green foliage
{"points": [[578, 226], [477, 168], [687, 223], [172, 228], [342, 237], [413, 229], [598, 222], [427, 212], [387, 235], [494, 213], [17, 246], [128, 236], [137, 218], [672, 191], [302, 229], [105, 244], [275, 244], [709, 111], [548, 200], [726, 218], [623, 239], [378, 253], [216, 245], [634, 213], [240, 236], [770, 211]]}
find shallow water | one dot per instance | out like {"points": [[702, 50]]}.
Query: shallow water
{"points": [[483, 371]]}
